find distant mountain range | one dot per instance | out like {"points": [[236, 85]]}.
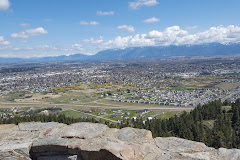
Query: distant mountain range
{"points": [[136, 53]]}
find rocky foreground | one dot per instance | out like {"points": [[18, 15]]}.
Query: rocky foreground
{"points": [[90, 141]]}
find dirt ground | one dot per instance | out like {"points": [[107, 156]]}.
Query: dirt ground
{"points": [[228, 86], [37, 97]]}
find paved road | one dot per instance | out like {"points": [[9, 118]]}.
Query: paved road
{"points": [[230, 95], [108, 107], [148, 107]]}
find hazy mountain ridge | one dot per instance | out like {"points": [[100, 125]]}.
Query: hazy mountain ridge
{"points": [[212, 49], [170, 51]]}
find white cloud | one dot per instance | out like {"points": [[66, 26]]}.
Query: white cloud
{"points": [[138, 3], [3, 42], [191, 27], [77, 47], [129, 41], [170, 36], [126, 28], [151, 20], [83, 22], [101, 13], [93, 41], [176, 36], [29, 33], [25, 25], [88, 23], [36, 31], [93, 23], [4, 4], [119, 42]]}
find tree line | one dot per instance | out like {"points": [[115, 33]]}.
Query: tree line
{"points": [[224, 131]]}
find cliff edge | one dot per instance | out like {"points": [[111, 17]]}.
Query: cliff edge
{"points": [[91, 141]]}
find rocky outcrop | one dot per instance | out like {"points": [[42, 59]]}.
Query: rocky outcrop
{"points": [[90, 141]]}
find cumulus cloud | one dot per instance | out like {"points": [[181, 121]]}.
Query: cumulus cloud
{"points": [[119, 42], [101, 13], [176, 36], [29, 33], [151, 20], [93, 41], [88, 23], [3, 42], [77, 47], [138, 3], [4, 4], [191, 27], [173, 35], [126, 28], [129, 41]]}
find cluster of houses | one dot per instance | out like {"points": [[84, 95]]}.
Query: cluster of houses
{"points": [[10, 113], [170, 97], [155, 75], [126, 115]]}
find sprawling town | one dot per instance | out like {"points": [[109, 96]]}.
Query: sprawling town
{"points": [[97, 88]]}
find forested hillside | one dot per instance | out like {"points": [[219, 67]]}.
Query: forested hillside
{"points": [[196, 125], [213, 124]]}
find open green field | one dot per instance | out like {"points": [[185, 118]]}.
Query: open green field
{"points": [[72, 97], [13, 96], [95, 98], [72, 114], [132, 113], [25, 108], [167, 115]]}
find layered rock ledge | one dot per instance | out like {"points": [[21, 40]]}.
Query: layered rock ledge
{"points": [[91, 141]]}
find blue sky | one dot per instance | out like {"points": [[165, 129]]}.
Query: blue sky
{"points": [[36, 28]]}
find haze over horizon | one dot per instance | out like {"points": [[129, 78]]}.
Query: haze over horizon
{"points": [[51, 28]]}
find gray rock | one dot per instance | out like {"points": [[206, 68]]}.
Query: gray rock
{"points": [[12, 155], [13, 146], [52, 141], [36, 126], [175, 144], [233, 154], [133, 135], [83, 130], [7, 128], [90, 141]]}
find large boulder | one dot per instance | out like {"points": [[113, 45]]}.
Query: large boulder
{"points": [[174, 144], [83, 130], [36, 126], [91, 141]]}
